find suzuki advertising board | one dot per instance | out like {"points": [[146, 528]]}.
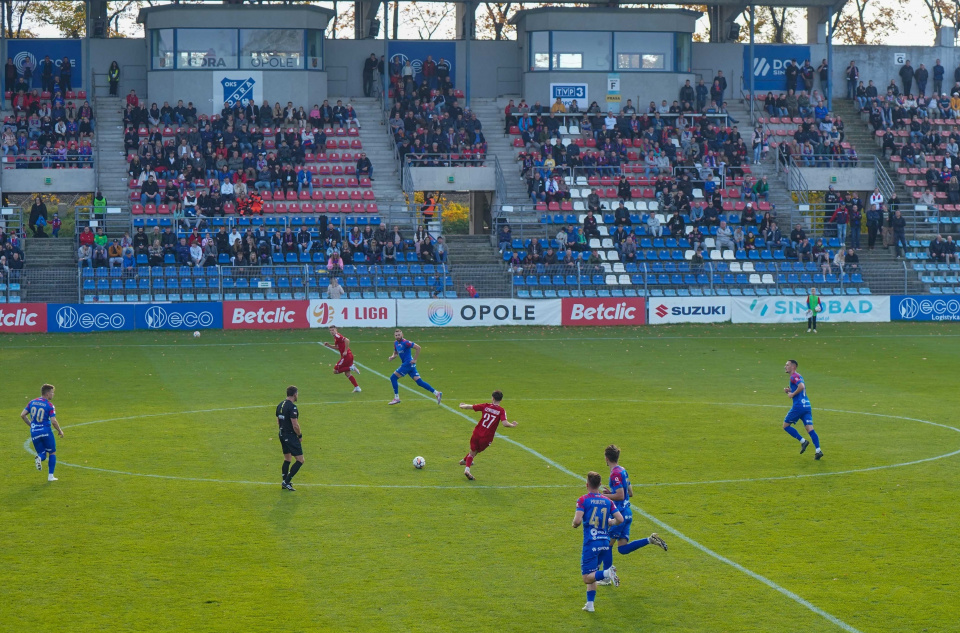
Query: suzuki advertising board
{"points": [[604, 312], [353, 313], [179, 316], [769, 64], [477, 312], [92, 317], [265, 315], [925, 308], [690, 310], [794, 310], [23, 318]]}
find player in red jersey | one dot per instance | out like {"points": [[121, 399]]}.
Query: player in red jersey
{"points": [[345, 365], [486, 429]]}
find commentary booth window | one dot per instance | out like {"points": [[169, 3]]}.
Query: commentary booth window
{"points": [[271, 48], [161, 49], [206, 48]]}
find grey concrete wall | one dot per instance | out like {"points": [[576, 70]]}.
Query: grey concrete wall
{"points": [[301, 87], [846, 179], [709, 58], [343, 61], [63, 180], [602, 19], [465, 178], [130, 54], [642, 88], [241, 16]]}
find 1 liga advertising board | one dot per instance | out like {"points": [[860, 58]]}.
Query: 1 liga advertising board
{"points": [[689, 310], [477, 312], [353, 313]]}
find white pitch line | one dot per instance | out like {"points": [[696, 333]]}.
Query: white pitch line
{"points": [[786, 592]]}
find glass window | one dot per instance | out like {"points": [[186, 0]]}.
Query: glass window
{"points": [[314, 50], [644, 51], [274, 49], [582, 50], [540, 50], [684, 52], [161, 48], [206, 48]]}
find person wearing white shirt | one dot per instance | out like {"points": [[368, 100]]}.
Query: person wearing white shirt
{"points": [[664, 108], [226, 189], [654, 226], [234, 236], [196, 254], [876, 199], [334, 290], [610, 122]]}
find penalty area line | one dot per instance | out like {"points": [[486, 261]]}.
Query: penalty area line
{"points": [[675, 532]]}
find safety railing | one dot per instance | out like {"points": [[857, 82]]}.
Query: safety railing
{"points": [[48, 161], [426, 159]]}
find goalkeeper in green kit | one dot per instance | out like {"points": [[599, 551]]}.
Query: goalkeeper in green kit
{"points": [[814, 305]]}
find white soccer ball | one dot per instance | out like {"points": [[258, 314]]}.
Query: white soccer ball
{"points": [[419, 462], [196, 335]]}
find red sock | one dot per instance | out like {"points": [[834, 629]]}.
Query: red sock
{"points": [[353, 381], [469, 460]]}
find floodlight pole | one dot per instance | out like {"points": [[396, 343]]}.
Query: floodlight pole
{"points": [[751, 68]]}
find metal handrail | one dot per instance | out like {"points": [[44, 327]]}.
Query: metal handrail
{"points": [[96, 137]]}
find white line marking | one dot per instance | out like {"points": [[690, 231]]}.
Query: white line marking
{"points": [[786, 592]]}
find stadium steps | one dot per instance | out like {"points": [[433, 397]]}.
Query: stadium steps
{"points": [[884, 275], [52, 270], [490, 114], [379, 149], [112, 164], [474, 261]]}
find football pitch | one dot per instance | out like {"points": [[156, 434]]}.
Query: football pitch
{"points": [[168, 514]]}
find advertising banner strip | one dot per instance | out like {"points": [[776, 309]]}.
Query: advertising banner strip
{"points": [[265, 315], [604, 312], [92, 317], [23, 318], [353, 313], [689, 310], [925, 308], [861, 309], [477, 312], [179, 316]]}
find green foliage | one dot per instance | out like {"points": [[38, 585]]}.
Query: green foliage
{"points": [[198, 547]]}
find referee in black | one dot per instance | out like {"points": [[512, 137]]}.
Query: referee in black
{"points": [[288, 419]]}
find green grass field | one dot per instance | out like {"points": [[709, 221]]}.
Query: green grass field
{"points": [[168, 515]]}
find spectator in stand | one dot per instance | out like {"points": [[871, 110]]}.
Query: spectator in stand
{"points": [[761, 190], [10, 78], [113, 77], [85, 255], [115, 254], [721, 82], [703, 93], [804, 251], [654, 227], [590, 228], [852, 74], [921, 75], [906, 76], [821, 256], [724, 236], [335, 263], [369, 67], [840, 219], [950, 251], [874, 221], [46, 74], [797, 235], [364, 167], [150, 191], [140, 242], [852, 261], [100, 258], [38, 217], [440, 250], [66, 76]]}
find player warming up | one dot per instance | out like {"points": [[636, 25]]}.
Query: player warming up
{"points": [[40, 415], [620, 492], [345, 365], [600, 514], [486, 429], [288, 419], [801, 410], [408, 366]]}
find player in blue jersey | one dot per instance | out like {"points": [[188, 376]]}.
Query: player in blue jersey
{"points": [[409, 352], [600, 514], [800, 410], [40, 416], [620, 492]]}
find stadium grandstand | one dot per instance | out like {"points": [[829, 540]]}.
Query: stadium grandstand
{"points": [[609, 156]]}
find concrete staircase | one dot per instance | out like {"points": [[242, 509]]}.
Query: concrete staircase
{"points": [[112, 164], [379, 149], [51, 270], [884, 275], [474, 261], [490, 114]]}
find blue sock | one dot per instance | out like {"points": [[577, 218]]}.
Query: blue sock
{"points": [[423, 383], [633, 545], [396, 385], [43, 456], [792, 432], [815, 439], [591, 595], [607, 559], [52, 463]]}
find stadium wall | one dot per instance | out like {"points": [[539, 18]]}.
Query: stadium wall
{"points": [[61, 180], [26, 318], [854, 178]]}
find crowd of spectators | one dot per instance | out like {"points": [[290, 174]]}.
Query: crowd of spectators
{"points": [[257, 246], [197, 165], [11, 255], [431, 126]]}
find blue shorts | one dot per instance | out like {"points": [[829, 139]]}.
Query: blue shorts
{"points": [[795, 415], [45, 443], [407, 370], [593, 552], [618, 532]]}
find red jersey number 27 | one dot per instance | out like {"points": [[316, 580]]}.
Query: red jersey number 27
{"points": [[488, 419]]}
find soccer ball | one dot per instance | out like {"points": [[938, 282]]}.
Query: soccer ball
{"points": [[419, 462], [196, 335]]}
